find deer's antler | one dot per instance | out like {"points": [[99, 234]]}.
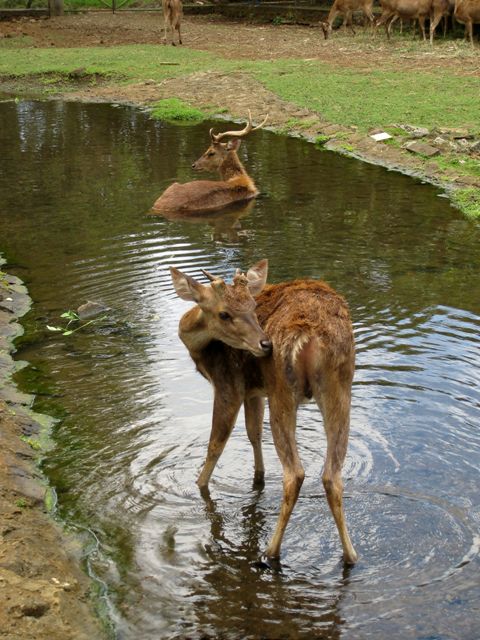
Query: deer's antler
{"points": [[216, 137]]}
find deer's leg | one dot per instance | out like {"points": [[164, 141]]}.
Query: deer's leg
{"points": [[226, 406], [283, 413], [390, 24], [334, 402], [179, 34], [434, 20], [254, 410], [370, 16], [421, 22], [349, 22], [469, 28]]}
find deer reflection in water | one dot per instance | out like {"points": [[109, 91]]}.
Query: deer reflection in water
{"points": [[236, 596], [225, 224]]}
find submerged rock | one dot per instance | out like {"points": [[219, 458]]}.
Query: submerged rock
{"points": [[91, 309]]}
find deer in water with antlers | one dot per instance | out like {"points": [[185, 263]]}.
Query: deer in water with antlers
{"points": [[289, 342], [212, 195]]}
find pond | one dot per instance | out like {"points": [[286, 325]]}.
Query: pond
{"points": [[76, 185]]}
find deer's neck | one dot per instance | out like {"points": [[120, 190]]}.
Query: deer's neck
{"points": [[233, 170], [193, 331]]}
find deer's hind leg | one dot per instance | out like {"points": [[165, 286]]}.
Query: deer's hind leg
{"points": [[226, 406], [254, 411], [334, 398], [283, 413]]}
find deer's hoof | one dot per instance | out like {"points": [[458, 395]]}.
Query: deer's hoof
{"points": [[259, 480], [269, 564]]}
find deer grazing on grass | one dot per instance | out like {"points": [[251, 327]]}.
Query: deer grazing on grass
{"points": [[172, 17], [212, 195], [290, 342], [468, 13], [346, 9]]}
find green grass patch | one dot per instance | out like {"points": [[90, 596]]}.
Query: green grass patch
{"points": [[175, 110], [375, 98], [132, 63], [462, 164], [468, 201]]}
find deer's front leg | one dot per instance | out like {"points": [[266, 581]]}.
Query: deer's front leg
{"points": [[283, 412], [254, 410], [226, 406]]}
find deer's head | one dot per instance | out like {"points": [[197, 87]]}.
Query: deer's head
{"points": [[218, 151], [229, 309], [326, 28]]}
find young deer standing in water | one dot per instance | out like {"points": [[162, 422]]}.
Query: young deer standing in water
{"points": [[289, 342], [211, 195]]}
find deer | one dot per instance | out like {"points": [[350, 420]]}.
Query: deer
{"points": [[440, 9], [392, 10], [172, 17], [467, 12], [211, 195], [289, 343], [346, 8]]}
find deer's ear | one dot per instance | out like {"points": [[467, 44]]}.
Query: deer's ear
{"points": [[186, 287], [257, 277], [234, 144]]}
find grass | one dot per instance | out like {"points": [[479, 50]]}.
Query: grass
{"points": [[468, 201], [175, 110], [374, 98], [346, 97]]}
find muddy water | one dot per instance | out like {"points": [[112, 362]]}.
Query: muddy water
{"points": [[76, 184]]}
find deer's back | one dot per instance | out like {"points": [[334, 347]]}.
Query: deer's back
{"points": [[293, 314], [202, 195], [467, 9]]}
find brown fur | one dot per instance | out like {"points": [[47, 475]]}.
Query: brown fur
{"points": [[172, 17], [210, 195], [312, 355], [468, 13], [392, 10], [346, 8]]}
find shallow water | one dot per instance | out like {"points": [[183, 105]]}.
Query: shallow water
{"points": [[76, 183]]}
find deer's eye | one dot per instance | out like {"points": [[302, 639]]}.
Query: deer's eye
{"points": [[210, 153], [223, 315]]}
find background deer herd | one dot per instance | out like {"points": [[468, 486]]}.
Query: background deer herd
{"points": [[467, 12]]}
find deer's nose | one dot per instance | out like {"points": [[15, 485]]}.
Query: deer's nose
{"points": [[266, 346]]}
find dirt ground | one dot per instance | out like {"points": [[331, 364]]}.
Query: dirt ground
{"points": [[43, 593]]}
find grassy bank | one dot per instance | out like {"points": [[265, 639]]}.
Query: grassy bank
{"points": [[364, 99], [360, 98]]}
